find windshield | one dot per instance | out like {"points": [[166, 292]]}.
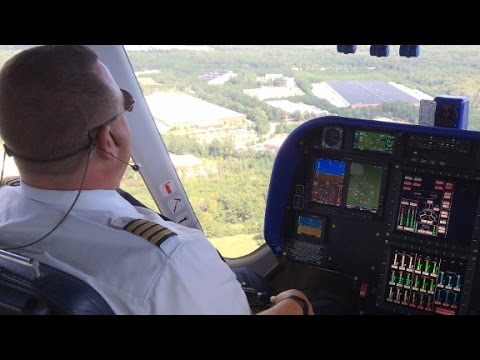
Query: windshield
{"points": [[223, 112]]}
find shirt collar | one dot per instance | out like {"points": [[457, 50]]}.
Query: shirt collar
{"points": [[89, 199]]}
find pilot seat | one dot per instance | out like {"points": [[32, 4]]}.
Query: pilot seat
{"points": [[28, 287]]}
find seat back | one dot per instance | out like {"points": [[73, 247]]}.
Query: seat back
{"points": [[32, 288]]}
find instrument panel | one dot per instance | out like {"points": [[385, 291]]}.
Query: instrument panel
{"points": [[394, 206]]}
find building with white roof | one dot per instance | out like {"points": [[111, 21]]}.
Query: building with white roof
{"points": [[174, 109]]}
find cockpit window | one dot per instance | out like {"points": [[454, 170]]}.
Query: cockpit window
{"points": [[223, 111]]}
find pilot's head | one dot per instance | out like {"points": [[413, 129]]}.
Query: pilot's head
{"points": [[57, 104]]}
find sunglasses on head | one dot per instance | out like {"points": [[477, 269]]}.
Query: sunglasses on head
{"points": [[128, 102]]}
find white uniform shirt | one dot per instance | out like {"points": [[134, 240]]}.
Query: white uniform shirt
{"points": [[185, 275]]}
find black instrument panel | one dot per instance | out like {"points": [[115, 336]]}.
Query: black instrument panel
{"points": [[396, 210]]}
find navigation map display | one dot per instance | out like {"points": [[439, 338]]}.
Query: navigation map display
{"points": [[374, 141], [364, 187]]}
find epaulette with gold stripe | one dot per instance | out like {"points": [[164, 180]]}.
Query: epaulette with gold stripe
{"points": [[149, 230], [10, 181]]}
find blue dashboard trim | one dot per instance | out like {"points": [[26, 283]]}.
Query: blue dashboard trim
{"points": [[291, 151]]}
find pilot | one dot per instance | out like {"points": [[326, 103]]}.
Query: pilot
{"points": [[62, 118]]}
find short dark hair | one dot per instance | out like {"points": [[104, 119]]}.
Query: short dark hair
{"points": [[49, 97]]}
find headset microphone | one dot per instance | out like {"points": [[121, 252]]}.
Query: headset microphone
{"points": [[135, 167]]}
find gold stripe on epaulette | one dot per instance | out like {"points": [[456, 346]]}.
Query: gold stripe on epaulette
{"points": [[132, 225], [11, 181], [160, 237], [153, 232]]}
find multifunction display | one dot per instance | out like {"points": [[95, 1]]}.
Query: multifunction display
{"points": [[425, 205], [364, 186], [438, 207]]}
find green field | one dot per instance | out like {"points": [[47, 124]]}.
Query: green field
{"points": [[146, 81], [237, 245]]}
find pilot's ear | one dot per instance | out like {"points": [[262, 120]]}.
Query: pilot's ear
{"points": [[105, 139]]}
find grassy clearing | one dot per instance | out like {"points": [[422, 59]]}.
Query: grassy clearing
{"points": [[146, 81], [236, 245]]}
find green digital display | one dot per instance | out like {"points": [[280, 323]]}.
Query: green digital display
{"points": [[374, 141]]}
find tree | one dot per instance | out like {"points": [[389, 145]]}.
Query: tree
{"points": [[297, 115], [262, 125]]}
